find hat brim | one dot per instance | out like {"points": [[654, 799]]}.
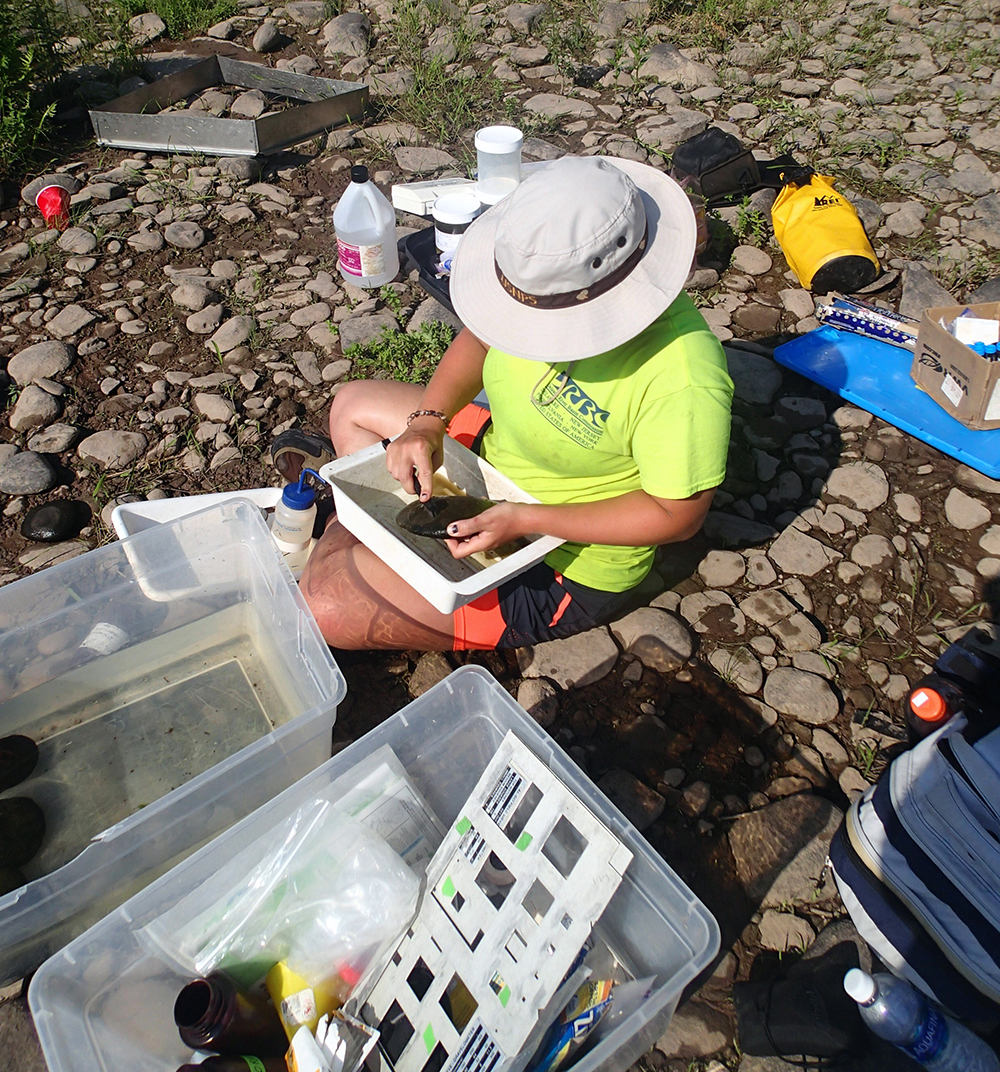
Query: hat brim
{"points": [[592, 327]]}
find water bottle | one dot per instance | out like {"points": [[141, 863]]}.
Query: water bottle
{"points": [[128, 619], [365, 223], [294, 516], [897, 1012]]}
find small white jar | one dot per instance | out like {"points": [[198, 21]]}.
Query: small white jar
{"points": [[452, 215], [498, 156]]}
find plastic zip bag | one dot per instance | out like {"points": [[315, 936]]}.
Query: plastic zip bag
{"points": [[316, 892]]}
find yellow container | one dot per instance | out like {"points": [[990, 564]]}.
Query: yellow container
{"points": [[300, 1004]]}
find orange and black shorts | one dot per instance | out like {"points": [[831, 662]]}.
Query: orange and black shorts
{"points": [[539, 604]]}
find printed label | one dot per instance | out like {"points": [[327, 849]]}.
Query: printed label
{"points": [[361, 260], [933, 1038], [105, 638], [951, 390], [299, 1008], [931, 358], [993, 409], [446, 243]]}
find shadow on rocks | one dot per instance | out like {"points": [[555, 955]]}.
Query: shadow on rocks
{"points": [[785, 441]]}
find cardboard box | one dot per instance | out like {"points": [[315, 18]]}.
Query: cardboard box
{"points": [[962, 382]]}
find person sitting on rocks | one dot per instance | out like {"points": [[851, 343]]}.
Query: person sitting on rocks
{"points": [[609, 403]]}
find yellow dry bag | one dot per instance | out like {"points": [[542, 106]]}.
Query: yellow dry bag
{"points": [[822, 237]]}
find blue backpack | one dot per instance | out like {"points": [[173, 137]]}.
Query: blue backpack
{"points": [[917, 864]]}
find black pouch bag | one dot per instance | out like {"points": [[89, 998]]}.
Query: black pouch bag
{"points": [[801, 1009], [715, 165]]}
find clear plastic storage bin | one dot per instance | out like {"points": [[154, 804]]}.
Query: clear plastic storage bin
{"points": [[104, 1002], [173, 682]]}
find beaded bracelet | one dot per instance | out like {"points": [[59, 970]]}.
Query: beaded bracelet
{"points": [[426, 413]]}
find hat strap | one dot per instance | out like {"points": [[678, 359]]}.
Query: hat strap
{"points": [[575, 297]]}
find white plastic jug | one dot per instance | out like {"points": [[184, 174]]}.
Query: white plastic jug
{"points": [[365, 223]]}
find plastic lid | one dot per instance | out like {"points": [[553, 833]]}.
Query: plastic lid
{"points": [[498, 139], [860, 986], [359, 173], [456, 208], [299, 496], [928, 704]]}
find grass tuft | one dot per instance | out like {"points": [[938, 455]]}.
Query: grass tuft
{"points": [[182, 17], [714, 22], [397, 355], [29, 64]]}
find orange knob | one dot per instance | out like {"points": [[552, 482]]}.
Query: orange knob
{"points": [[928, 705]]}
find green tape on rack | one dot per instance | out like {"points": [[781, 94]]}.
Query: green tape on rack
{"points": [[504, 996], [463, 825], [523, 842], [448, 887], [429, 1039]]}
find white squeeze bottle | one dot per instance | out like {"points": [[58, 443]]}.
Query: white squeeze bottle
{"points": [[365, 223], [899, 1013], [294, 516]]}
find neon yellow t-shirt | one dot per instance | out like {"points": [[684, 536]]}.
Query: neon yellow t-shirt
{"points": [[652, 414]]}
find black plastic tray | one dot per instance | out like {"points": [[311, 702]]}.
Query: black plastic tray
{"points": [[418, 251]]}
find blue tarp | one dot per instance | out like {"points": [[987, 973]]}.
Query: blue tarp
{"points": [[876, 377]]}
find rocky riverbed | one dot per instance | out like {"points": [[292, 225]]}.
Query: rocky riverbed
{"points": [[193, 310]]}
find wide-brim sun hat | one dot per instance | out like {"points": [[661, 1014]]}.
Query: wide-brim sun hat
{"points": [[584, 255]]}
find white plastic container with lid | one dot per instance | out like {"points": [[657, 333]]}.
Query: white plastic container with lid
{"points": [[452, 215], [498, 157], [365, 223]]}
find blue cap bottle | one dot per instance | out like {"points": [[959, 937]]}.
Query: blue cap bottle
{"points": [[295, 514]]}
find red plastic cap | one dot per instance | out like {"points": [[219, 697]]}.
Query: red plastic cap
{"points": [[53, 203], [928, 705]]}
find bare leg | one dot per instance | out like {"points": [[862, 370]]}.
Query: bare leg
{"points": [[365, 412], [358, 601]]}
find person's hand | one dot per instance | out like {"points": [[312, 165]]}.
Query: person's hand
{"points": [[420, 448], [492, 528]]}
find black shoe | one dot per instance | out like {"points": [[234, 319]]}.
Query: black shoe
{"points": [[295, 450], [18, 758], [22, 829], [11, 878], [800, 1009]]}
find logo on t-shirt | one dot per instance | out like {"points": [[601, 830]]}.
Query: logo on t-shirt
{"points": [[573, 412]]}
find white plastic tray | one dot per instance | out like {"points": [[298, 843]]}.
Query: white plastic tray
{"points": [[368, 498], [130, 518]]}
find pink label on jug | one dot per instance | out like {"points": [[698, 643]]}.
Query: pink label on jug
{"points": [[350, 257], [361, 260]]}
